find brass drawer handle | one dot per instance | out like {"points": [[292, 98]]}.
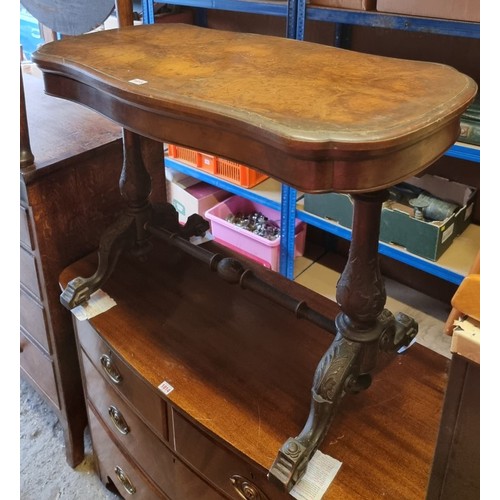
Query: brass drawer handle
{"points": [[126, 483], [246, 489], [110, 369], [118, 421]]}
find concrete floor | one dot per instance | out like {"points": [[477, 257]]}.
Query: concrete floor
{"points": [[44, 473]]}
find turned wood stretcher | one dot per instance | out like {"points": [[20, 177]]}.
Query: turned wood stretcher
{"points": [[317, 118]]}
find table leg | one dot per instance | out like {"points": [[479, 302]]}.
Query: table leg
{"points": [[128, 232], [364, 328], [131, 232]]}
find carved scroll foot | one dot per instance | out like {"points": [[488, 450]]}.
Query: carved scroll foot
{"points": [[116, 238], [333, 377], [343, 369], [129, 233]]}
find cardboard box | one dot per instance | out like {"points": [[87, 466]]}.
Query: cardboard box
{"points": [[190, 196], [172, 175], [470, 123], [459, 10], [398, 226], [346, 4]]}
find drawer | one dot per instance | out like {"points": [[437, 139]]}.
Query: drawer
{"points": [[33, 320], [25, 229], [128, 429], [29, 274], [136, 392], [219, 465], [186, 484], [115, 468], [39, 369]]}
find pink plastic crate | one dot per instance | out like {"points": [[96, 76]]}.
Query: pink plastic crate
{"points": [[254, 247]]}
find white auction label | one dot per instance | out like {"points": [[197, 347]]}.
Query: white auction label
{"points": [[319, 474], [98, 303], [138, 81], [165, 387]]}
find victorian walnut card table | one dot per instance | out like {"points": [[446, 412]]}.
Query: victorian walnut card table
{"points": [[317, 118]]}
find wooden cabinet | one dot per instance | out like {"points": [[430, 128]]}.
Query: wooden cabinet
{"points": [[456, 467], [68, 197], [240, 368]]}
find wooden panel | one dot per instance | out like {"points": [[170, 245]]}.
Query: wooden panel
{"points": [[131, 388], [29, 273], [148, 451], [58, 129], [39, 369], [25, 230], [109, 457], [217, 463], [187, 484], [456, 468], [33, 320], [71, 195]]}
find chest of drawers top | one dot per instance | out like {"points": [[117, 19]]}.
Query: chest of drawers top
{"points": [[241, 371]]}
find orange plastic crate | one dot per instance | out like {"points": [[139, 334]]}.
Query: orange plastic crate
{"points": [[207, 163], [237, 173], [193, 158], [185, 155], [220, 167]]}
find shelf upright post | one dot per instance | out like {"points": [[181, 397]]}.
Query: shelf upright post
{"points": [[291, 18], [287, 241], [148, 15], [300, 19], [295, 10]]}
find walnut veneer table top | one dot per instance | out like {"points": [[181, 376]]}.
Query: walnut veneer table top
{"points": [[315, 117]]}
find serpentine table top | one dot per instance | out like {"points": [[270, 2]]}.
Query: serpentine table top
{"points": [[315, 117]]}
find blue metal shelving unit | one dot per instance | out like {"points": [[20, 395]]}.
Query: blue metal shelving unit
{"points": [[344, 18], [390, 21], [250, 194], [464, 152], [297, 12], [458, 151], [270, 8], [385, 249]]}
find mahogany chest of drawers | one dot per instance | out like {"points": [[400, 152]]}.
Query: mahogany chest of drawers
{"points": [[68, 197], [238, 371]]}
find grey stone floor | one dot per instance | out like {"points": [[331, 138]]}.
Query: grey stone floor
{"points": [[44, 472]]}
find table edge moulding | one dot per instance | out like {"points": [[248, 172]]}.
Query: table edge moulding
{"points": [[362, 124]]}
